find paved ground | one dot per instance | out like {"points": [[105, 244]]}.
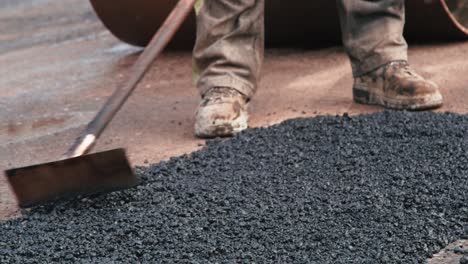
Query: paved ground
{"points": [[58, 64]]}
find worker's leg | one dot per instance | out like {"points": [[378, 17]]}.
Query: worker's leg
{"points": [[228, 54], [373, 32], [373, 37]]}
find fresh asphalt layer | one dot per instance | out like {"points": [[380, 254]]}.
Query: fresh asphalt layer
{"points": [[389, 187]]}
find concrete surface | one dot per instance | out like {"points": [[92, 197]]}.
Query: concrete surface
{"points": [[58, 64]]}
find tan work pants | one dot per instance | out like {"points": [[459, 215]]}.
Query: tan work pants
{"points": [[230, 39]]}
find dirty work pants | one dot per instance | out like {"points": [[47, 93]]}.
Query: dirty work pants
{"points": [[230, 39]]}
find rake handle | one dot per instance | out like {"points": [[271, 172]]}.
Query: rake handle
{"points": [[88, 137]]}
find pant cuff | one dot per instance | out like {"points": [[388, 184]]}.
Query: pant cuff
{"points": [[241, 86], [372, 63]]}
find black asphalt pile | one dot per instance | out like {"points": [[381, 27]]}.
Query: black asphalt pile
{"points": [[383, 188]]}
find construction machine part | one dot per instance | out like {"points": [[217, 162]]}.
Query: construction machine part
{"points": [[302, 23]]}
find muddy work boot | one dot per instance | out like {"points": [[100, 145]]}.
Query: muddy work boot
{"points": [[397, 86], [222, 112]]}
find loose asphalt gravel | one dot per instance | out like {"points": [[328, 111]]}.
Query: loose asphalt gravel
{"points": [[381, 188]]}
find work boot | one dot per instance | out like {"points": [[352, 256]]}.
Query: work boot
{"points": [[222, 112], [397, 86]]}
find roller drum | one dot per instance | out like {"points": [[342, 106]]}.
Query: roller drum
{"points": [[302, 23]]}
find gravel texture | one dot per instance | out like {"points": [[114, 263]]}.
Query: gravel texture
{"points": [[462, 251], [464, 260], [381, 188]]}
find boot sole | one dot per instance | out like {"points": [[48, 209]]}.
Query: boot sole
{"points": [[409, 103], [218, 131], [227, 129]]}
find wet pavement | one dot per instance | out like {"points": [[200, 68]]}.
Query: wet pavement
{"points": [[58, 64]]}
